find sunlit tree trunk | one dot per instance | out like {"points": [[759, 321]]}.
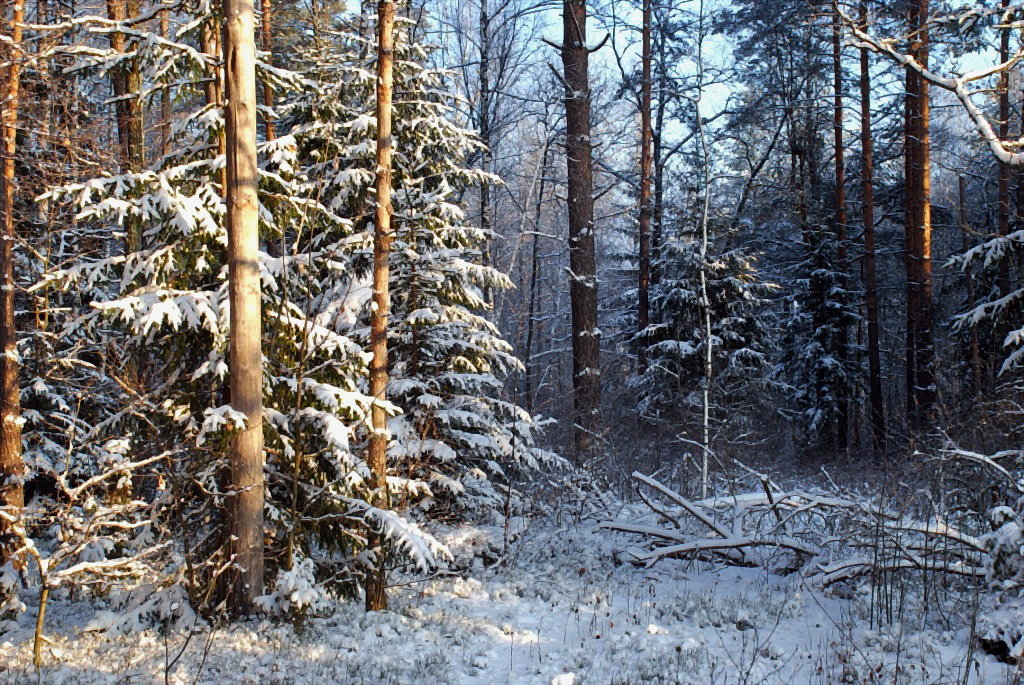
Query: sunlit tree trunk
{"points": [[267, 45], [921, 389], [246, 363], [376, 596], [644, 285], [12, 468], [924, 391]]}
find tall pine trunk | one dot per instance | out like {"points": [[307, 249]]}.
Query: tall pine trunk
{"points": [[246, 363], [918, 222], [924, 343], [586, 336], [12, 468], [165, 93], [267, 45], [877, 406], [644, 276], [376, 596]]}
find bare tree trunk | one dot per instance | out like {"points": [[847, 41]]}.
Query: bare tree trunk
{"points": [[531, 383], [246, 362], [212, 89], [127, 86], [877, 411], [705, 300], [12, 468], [484, 113], [657, 154], [116, 11], [267, 45], [165, 93], [911, 220], [924, 338], [643, 292], [376, 595], [586, 336], [135, 122], [843, 410]]}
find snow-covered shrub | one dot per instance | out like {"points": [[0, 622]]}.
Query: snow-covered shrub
{"points": [[10, 603], [296, 592], [1004, 564], [146, 607]]}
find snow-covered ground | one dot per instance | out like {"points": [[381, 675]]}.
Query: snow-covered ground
{"points": [[555, 608]]}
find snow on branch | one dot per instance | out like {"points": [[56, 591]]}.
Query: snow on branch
{"points": [[1004, 150], [823, 534]]}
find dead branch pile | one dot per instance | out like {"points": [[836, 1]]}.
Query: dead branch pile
{"points": [[829, 536]]}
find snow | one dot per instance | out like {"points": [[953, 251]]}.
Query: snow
{"points": [[550, 606]]}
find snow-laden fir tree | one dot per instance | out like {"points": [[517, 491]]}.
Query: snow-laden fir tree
{"points": [[452, 435], [676, 344], [170, 300], [998, 307], [447, 359], [816, 368]]}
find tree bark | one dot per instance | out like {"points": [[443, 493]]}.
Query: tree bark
{"points": [[126, 82], [246, 362], [657, 161], [376, 596], [924, 342], [586, 336], [12, 468], [911, 220], [267, 45], [877, 406], [165, 94], [212, 89], [644, 276]]}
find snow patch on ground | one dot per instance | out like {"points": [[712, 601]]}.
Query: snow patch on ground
{"points": [[551, 607]]}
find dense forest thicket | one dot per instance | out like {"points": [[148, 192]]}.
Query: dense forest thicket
{"points": [[289, 290]]}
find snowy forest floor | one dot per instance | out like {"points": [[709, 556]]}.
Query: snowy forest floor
{"points": [[554, 603]]}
